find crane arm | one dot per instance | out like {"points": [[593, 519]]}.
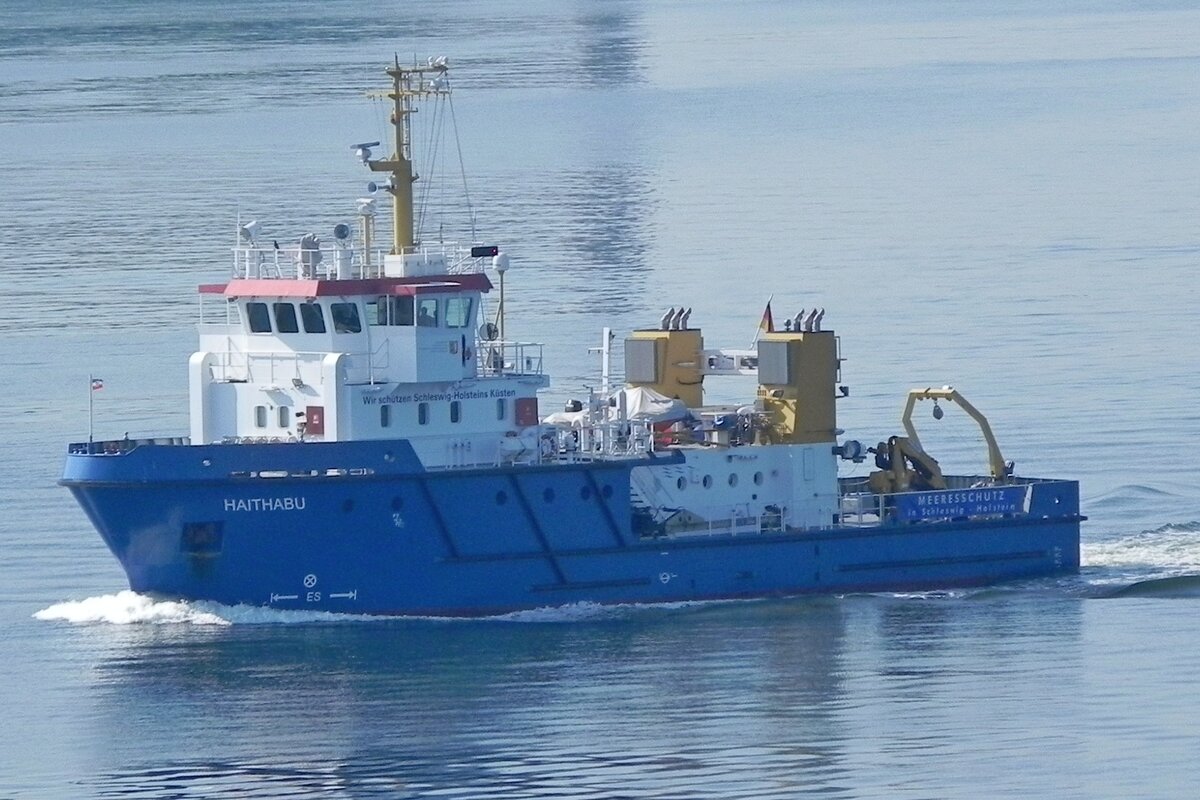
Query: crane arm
{"points": [[996, 464]]}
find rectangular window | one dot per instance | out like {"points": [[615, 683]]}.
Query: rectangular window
{"points": [[260, 320], [423, 413], [390, 311], [313, 318], [458, 312], [260, 416], [501, 409], [345, 318], [455, 410], [285, 318], [285, 416], [385, 415], [427, 313], [402, 310], [377, 312]]}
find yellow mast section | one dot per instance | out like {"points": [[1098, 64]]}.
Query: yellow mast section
{"points": [[408, 85]]}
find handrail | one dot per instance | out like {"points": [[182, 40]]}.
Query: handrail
{"points": [[327, 262], [509, 358]]}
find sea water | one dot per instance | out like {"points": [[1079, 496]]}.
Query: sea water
{"points": [[1003, 197]]}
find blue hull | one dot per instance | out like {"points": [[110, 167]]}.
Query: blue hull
{"points": [[362, 528]]}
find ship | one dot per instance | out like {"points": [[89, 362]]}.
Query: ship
{"points": [[366, 438]]}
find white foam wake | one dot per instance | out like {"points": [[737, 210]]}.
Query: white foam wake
{"points": [[585, 611], [131, 608], [1175, 548]]}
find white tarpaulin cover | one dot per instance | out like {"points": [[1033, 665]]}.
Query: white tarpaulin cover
{"points": [[647, 404], [640, 403]]}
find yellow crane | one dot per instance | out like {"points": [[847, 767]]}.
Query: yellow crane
{"points": [[904, 464]]}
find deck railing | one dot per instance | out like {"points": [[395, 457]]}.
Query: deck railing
{"points": [[116, 447], [509, 358], [332, 262]]}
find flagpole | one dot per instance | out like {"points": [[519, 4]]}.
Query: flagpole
{"points": [[91, 403], [758, 331]]}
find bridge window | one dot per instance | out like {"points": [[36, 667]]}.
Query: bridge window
{"points": [[313, 318], [402, 310], [285, 416], [377, 312], [385, 415], [260, 320], [455, 410], [422, 413], [390, 311], [427, 313], [285, 318], [345, 318], [260, 416], [458, 312]]}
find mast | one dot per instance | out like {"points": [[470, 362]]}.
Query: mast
{"points": [[408, 84]]}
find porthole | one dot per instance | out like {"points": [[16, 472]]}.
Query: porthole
{"points": [[707, 482], [548, 495], [758, 479], [397, 503], [733, 479], [585, 493], [681, 484], [501, 497]]}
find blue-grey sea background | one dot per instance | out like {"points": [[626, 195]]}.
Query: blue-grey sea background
{"points": [[1002, 196]]}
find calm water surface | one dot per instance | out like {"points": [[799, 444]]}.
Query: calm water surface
{"points": [[1000, 197]]}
